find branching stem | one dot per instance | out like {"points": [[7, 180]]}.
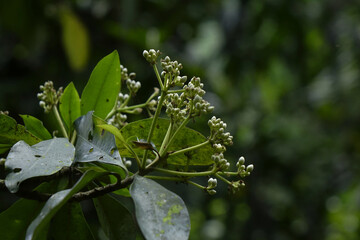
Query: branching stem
{"points": [[61, 124]]}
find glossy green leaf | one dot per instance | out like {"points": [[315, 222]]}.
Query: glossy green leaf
{"points": [[75, 39], [186, 138], [11, 132], [161, 214], [115, 219], [69, 105], [70, 224], [15, 220], [42, 159], [54, 204], [94, 144], [36, 127], [102, 89]]}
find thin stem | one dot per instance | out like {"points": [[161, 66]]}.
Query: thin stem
{"points": [[186, 174], [131, 107], [153, 124], [197, 185], [183, 124], [222, 178], [58, 118], [165, 178], [167, 136], [189, 148], [176, 91], [158, 77], [229, 173], [73, 137]]}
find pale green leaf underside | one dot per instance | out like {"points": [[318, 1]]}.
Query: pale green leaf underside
{"points": [[42, 159], [161, 214], [94, 144], [186, 138]]}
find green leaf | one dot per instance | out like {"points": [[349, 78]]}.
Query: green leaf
{"points": [[94, 144], [11, 132], [161, 214], [69, 223], [36, 127], [101, 91], [115, 219], [42, 159], [75, 39], [54, 204], [186, 138], [70, 105], [15, 220]]}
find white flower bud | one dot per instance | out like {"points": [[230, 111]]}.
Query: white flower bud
{"points": [[250, 168]]}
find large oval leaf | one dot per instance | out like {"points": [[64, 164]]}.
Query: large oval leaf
{"points": [[70, 105], [42, 159], [36, 127], [11, 132], [102, 89], [94, 144], [114, 218], [161, 214], [76, 227], [185, 138], [54, 204]]}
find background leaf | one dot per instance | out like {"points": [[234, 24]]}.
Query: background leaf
{"points": [[94, 144], [15, 220], [36, 127], [42, 159], [186, 138], [11, 132], [102, 89], [161, 214], [54, 204], [70, 105], [70, 224], [75, 39], [114, 218]]}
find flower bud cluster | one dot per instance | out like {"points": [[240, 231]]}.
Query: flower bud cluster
{"points": [[151, 56], [221, 163], [176, 107], [133, 86], [217, 132], [212, 183], [243, 170], [194, 87], [125, 75], [236, 185], [118, 120], [152, 105], [200, 106], [49, 97], [4, 112], [171, 72]]}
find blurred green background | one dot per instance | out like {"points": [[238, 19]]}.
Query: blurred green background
{"points": [[283, 74]]}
